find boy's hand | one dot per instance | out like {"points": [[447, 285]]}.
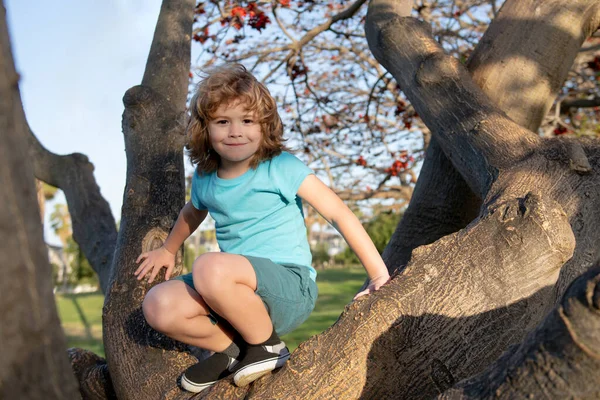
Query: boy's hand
{"points": [[153, 261], [374, 284]]}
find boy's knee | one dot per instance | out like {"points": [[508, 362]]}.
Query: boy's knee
{"points": [[208, 273], [157, 310]]}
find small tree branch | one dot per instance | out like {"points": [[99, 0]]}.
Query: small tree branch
{"points": [[345, 14], [566, 104], [94, 227]]}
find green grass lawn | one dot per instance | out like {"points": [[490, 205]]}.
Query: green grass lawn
{"points": [[81, 314]]}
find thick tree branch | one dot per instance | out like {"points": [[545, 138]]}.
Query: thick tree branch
{"points": [[446, 189], [467, 287], [527, 52], [442, 203], [168, 66], [475, 135], [559, 360], [94, 227]]}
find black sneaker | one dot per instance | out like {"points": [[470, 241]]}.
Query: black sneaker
{"points": [[259, 361], [206, 373]]}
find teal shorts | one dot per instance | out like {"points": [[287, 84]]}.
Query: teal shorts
{"points": [[287, 290]]}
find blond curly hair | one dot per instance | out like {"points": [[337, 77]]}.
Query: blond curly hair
{"points": [[227, 84]]}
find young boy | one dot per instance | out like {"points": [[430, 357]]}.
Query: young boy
{"points": [[261, 285]]}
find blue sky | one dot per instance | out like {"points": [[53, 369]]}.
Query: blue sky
{"points": [[76, 59]]}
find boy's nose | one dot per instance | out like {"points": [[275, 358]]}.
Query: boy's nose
{"points": [[235, 130]]}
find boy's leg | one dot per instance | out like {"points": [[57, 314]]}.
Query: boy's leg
{"points": [[228, 282], [178, 311]]}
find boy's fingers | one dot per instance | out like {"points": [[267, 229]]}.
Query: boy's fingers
{"points": [[140, 257], [168, 273], [142, 273], [155, 271], [144, 269], [141, 267]]}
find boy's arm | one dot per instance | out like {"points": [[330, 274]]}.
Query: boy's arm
{"points": [[188, 221], [333, 209]]}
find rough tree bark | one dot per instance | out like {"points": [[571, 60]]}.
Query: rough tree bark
{"points": [[563, 354], [34, 364], [496, 215]]}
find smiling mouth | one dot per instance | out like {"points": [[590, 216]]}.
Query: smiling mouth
{"points": [[235, 144]]}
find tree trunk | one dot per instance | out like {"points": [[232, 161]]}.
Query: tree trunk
{"points": [[34, 363], [143, 363]]}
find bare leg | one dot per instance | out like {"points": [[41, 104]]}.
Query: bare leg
{"points": [[178, 311], [227, 283]]}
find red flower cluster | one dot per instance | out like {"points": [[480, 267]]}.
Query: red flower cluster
{"points": [[560, 130], [361, 161], [199, 9], [238, 12], [259, 21], [203, 37], [400, 164], [400, 108], [298, 69], [594, 64]]}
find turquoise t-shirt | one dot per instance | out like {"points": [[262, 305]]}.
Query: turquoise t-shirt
{"points": [[258, 213]]}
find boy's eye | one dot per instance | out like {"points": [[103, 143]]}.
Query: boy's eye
{"points": [[248, 121], [221, 121]]}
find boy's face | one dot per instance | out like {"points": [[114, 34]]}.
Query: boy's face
{"points": [[235, 134]]}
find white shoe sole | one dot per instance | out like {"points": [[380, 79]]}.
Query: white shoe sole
{"points": [[194, 387], [252, 372]]}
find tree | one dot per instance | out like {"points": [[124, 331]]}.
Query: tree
{"points": [[501, 223], [34, 364]]}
